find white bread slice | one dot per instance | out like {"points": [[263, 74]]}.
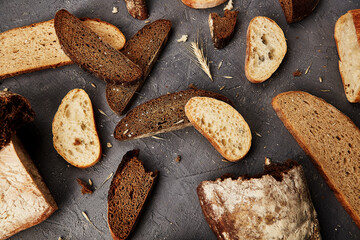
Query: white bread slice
{"points": [[24, 198], [347, 37], [221, 124], [265, 49], [35, 47], [74, 132], [203, 3]]}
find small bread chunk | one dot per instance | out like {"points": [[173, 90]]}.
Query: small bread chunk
{"points": [[265, 49], [331, 140], [275, 205], [347, 37], [222, 125], [128, 192], [74, 132], [137, 9], [203, 3], [222, 28], [296, 10]]}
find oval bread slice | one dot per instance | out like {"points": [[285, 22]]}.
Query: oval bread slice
{"points": [[203, 3], [222, 125], [74, 132]]}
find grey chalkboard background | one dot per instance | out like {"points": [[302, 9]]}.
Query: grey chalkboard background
{"points": [[173, 210]]}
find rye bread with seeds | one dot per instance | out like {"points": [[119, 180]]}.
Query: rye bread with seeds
{"points": [[143, 49], [85, 48], [296, 10], [137, 9], [128, 192], [330, 138], [222, 28], [163, 114]]}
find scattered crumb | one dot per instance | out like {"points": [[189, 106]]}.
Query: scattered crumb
{"points": [[320, 79], [104, 155], [297, 37], [109, 145], [221, 88], [147, 21], [192, 86], [178, 158], [183, 38], [86, 188], [237, 95], [93, 85], [90, 182], [267, 161], [115, 10], [325, 90], [5, 89], [60, 238], [297, 73], [221, 62], [264, 147], [68, 165], [229, 6], [308, 69], [258, 134]]}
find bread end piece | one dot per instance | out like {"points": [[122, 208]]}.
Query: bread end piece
{"points": [[296, 10], [137, 9], [201, 4]]}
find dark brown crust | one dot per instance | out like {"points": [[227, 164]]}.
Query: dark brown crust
{"points": [[303, 145], [119, 97], [85, 187], [223, 28], [296, 10], [137, 9], [356, 18], [105, 62]]}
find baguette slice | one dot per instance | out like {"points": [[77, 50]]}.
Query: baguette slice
{"points": [[330, 138], [222, 28], [74, 132], [163, 114], [35, 47], [296, 10], [137, 9], [25, 200], [200, 4], [221, 124], [85, 48], [265, 49], [128, 192], [274, 205], [347, 37], [143, 49]]}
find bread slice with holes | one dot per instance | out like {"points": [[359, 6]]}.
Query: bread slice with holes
{"points": [[74, 132], [347, 37], [330, 138], [221, 124], [36, 47], [265, 49]]}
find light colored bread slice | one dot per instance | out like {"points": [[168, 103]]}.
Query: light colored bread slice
{"points": [[35, 47], [330, 138], [24, 198], [221, 124], [347, 31], [74, 132], [265, 49], [203, 3]]}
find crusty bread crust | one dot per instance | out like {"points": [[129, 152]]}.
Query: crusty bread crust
{"points": [[296, 10], [137, 9], [202, 3], [302, 142]]}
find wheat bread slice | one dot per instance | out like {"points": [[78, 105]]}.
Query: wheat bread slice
{"points": [[85, 48], [163, 114], [36, 47], [347, 37], [25, 200], [221, 124], [143, 49], [330, 138], [127, 195], [296, 10], [74, 131], [265, 49], [200, 4], [274, 205], [137, 9]]}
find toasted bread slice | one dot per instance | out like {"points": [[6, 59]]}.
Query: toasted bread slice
{"points": [[203, 3], [330, 138], [74, 132], [137, 9], [296, 10], [265, 49], [35, 47], [90, 52], [221, 124], [347, 37]]}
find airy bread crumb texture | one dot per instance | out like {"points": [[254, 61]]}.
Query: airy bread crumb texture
{"points": [[222, 125], [74, 131]]}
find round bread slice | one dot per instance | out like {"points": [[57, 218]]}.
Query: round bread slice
{"points": [[74, 132], [222, 125], [203, 3]]}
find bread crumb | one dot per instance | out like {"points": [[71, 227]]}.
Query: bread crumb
{"points": [[147, 21], [178, 158], [192, 86], [308, 69], [267, 161], [109, 145], [320, 79], [86, 188], [115, 10], [229, 6], [221, 88], [5, 89], [258, 134], [221, 62], [297, 73], [237, 95], [325, 90], [183, 38], [93, 85], [90, 182], [60, 238]]}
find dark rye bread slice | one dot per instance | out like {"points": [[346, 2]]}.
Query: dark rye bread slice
{"points": [[128, 192], [330, 138], [222, 28], [296, 10], [15, 111], [137, 9], [85, 48], [163, 114], [143, 49]]}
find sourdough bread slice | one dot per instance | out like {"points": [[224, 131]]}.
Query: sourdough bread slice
{"points": [[74, 132], [330, 138], [15, 111], [222, 28], [35, 47], [296, 10], [25, 200], [143, 49], [90, 52], [163, 114], [265, 49], [221, 124], [347, 37], [275, 205], [128, 192], [203, 3], [137, 9]]}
